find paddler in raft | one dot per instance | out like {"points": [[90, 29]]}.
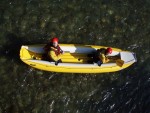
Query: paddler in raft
{"points": [[101, 56], [53, 51]]}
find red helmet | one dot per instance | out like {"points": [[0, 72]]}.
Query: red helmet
{"points": [[109, 50], [55, 39]]}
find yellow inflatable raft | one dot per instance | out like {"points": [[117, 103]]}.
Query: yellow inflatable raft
{"points": [[75, 58]]}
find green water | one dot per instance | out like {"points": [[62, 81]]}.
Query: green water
{"points": [[115, 23]]}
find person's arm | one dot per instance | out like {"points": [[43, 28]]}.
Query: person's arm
{"points": [[61, 51], [107, 59], [103, 58], [54, 56]]}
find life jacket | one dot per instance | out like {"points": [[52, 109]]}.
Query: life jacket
{"points": [[99, 53], [57, 50]]}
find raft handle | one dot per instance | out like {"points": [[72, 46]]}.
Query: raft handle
{"points": [[32, 64]]}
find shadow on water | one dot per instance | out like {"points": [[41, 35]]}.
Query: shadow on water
{"points": [[12, 44], [10, 49]]}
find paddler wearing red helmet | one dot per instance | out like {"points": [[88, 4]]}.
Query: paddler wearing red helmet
{"points": [[101, 56], [54, 51]]}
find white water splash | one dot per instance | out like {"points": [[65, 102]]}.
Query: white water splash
{"points": [[112, 106], [133, 46], [108, 94], [51, 106]]}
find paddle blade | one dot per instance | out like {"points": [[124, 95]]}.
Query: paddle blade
{"points": [[119, 62]]}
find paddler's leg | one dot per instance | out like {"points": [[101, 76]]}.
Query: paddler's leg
{"points": [[45, 56], [99, 63], [59, 61]]}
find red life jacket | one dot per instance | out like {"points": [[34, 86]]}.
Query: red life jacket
{"points": [[57, 50], [49, 47]]}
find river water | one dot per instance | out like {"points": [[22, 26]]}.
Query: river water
{"points": [[123, 24]]}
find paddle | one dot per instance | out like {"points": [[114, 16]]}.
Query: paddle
{"points": [[119, 62]]}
